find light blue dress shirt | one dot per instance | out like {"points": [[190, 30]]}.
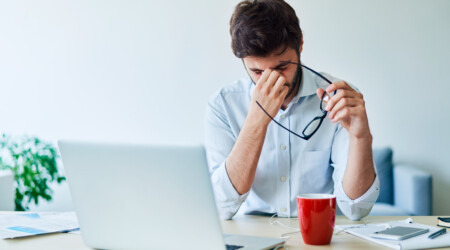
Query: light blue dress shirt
{"points": [[288, 165]]}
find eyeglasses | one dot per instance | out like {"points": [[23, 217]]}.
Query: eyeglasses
{"points": [[313, 125]]}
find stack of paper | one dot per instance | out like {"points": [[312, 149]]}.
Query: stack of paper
{"points": [[417, 242], [21, 224]]}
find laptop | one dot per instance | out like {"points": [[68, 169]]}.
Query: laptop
{"points": [[130, 196]]}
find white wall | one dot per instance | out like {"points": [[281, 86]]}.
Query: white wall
{"points": [[397, 53], [143, 70], [112, 70]]}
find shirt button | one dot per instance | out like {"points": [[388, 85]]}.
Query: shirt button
{"points": [[283, 209], [283, 178], [283, 116], [283, 147]]}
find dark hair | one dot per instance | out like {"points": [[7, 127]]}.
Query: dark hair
{"points": [[261, 27]]}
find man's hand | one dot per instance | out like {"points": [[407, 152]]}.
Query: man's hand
{"points": [[270, 92], [348, 108]]}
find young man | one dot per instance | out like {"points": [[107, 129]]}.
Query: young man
{"points": [[260, 167]]}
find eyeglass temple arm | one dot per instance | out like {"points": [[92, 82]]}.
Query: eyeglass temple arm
{"points": [[304, 138], [320, 75]]}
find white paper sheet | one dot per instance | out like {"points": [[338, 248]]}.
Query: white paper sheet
{"points": [[417, 242], [21, 224]]}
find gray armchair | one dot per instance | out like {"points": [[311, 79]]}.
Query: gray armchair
{"points": [[403, 189]]}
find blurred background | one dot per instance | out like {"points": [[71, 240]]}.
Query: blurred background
{"points": [[142, 71]]}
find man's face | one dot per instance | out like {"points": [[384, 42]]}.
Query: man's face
{"points": [[255, 66]]}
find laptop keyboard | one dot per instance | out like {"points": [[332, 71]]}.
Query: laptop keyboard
{"points": [[233, 247]]}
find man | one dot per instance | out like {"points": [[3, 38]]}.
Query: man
{"points": [[258, 166]]}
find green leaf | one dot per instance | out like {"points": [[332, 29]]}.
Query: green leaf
{"points": [[33, 162]]}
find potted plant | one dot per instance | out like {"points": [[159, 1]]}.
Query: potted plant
{"points": [[34, 165]]}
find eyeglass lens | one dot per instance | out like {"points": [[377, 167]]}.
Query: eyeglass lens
{"points": [[312, 126], [325, 98], [315, 123]]}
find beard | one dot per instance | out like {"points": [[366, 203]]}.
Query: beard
{"points": [[296, 82]]}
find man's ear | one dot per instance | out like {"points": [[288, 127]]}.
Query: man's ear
{"points": [[301, 47]]}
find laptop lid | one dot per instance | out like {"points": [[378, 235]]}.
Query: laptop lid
{"points": [[130, 196]]}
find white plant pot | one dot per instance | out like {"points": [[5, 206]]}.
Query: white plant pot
{"points": [[6, 190]]}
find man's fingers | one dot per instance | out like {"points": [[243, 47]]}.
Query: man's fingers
{"points": [[319, 93], [338, 85], [264, 76], [284, 92], [274, 75], [339, 95], [278, 87], [346, 112], [343, 102], [271, 91]]}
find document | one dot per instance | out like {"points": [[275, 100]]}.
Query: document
{"points": [[22, 224], [418, 242]]}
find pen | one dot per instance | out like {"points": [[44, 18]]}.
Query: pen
{"points": [[437, 233]]}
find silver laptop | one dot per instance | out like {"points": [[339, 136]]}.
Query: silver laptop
{"points": [[147, 197]]}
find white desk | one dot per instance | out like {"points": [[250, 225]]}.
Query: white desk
{"points": [[249, 225]]}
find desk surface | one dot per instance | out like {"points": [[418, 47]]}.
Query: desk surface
{"points": [[249, 225]]}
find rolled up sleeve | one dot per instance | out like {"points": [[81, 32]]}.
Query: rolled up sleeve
{"points": [[227, 198], [219, 140], [360, 207]]}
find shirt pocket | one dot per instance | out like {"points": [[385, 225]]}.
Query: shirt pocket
{"points": [[316, 171]]}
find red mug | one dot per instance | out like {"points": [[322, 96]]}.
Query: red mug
{"points": [[316, 217]]}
